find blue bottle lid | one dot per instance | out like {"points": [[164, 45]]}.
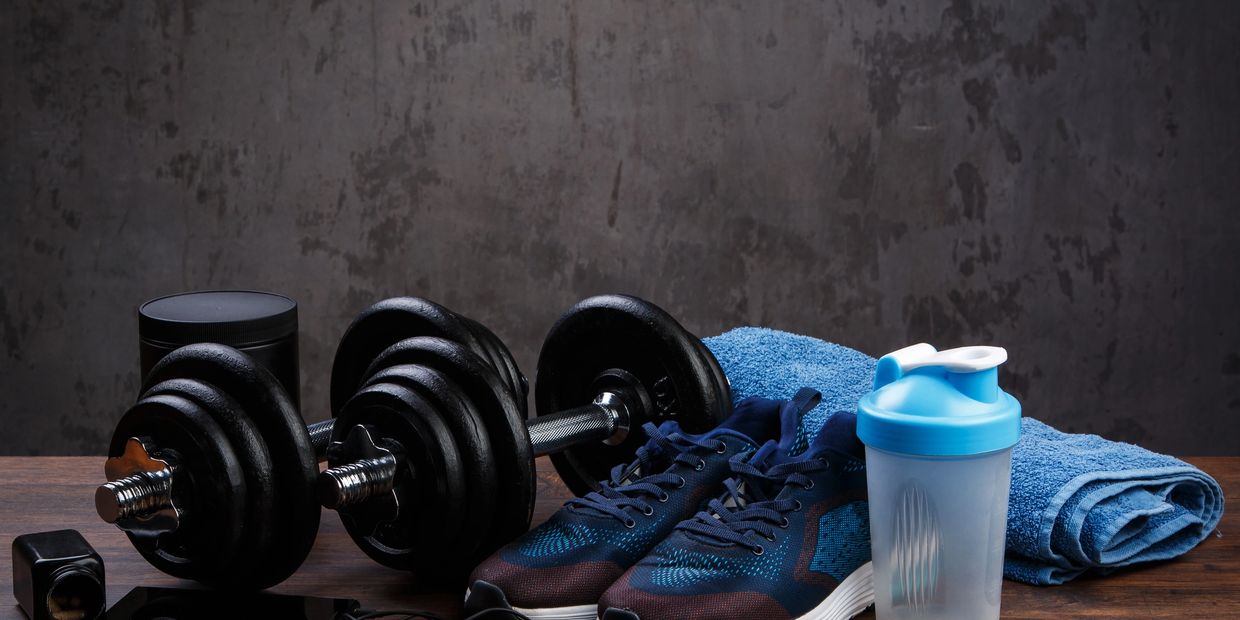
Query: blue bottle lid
{"points": [[939, 403]]}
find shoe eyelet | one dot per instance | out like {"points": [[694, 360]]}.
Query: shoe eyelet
{"points": [[649, 510], [631, 523], [758, 550], [721, 448], [700, 466], [770, 538], [825, 462], [809, 485], [798, 506], [783, 525], [682, 483], [664, 498]]}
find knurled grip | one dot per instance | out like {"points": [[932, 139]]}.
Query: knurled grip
{"points": [[559, 431], [320, 437]]}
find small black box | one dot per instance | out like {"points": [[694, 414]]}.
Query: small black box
{"points": [[58, 575]]}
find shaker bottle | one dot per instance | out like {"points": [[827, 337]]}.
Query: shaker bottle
{"points": [[938, 435]]}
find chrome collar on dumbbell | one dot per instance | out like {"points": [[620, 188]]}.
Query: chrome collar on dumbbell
{"points": [[363, 490], [138, 494]]}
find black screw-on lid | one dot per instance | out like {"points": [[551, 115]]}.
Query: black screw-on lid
{"points": [[233, 318]]}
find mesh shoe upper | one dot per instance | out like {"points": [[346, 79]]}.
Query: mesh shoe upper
{"points": [[785, 533], [585, 546]]}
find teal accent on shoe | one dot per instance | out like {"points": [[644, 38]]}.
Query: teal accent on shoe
{"points": [[843, 540]]}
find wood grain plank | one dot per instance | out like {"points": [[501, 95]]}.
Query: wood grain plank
{"points": [[45, 493]]}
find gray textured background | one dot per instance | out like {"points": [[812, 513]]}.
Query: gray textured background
{"points": [[1061, 179]]}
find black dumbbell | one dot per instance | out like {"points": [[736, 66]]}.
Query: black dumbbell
{"points": [[608, 365], [431, 461]]}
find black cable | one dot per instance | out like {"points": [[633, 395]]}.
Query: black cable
{"points": [[417, 614], [405, 614], [493, 612]]}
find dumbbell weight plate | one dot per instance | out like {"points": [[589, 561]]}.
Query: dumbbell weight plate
{"points": [[505, 425], [428, 532], [251, 453], [209, 487], [633, 335], [501, 358], [469, 434], [716, 371], [383, 324], [294, 467]]}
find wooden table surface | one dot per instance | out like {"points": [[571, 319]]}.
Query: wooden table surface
{"points": [[46, 493]]}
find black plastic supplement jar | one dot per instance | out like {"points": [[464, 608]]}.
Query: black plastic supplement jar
{"points": [[262, 325]]}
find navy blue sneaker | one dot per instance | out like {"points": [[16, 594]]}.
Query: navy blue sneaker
{"points": [[789, 538], [559, 569]]}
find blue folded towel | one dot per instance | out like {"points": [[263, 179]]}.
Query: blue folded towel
{"points": [[1078, 502]]}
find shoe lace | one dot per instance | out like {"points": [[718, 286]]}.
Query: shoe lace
{"points": [[750, 505], [631, 486]]}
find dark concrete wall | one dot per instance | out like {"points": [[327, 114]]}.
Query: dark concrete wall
{"points": [[1060, 179]]}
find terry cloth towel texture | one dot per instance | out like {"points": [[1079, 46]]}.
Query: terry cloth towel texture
{"points": [[1081, 503], [1078, 502]]}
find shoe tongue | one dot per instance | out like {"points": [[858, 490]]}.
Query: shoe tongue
{"points": [[839, 435], [762, 458], [656, 459], [754, 419]]}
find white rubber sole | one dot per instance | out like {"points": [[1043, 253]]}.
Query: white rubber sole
{"points": [[852, 597], [575, 612]]}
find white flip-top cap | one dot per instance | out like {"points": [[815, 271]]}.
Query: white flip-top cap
{"points": [[960, 359]]}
